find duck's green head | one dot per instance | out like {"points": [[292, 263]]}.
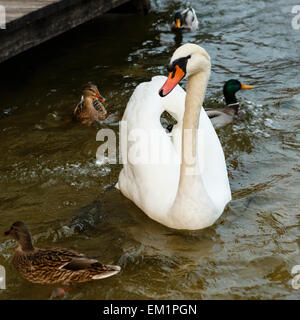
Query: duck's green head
{"points": [[178, 20], [231, 87]]}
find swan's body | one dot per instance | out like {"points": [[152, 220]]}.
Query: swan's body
{"points": [[177, 195], [186, 20]]}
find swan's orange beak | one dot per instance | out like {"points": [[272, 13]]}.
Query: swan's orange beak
{"points": [[173, 78], [246, 86]]}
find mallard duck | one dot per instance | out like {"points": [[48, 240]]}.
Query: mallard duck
{"points": [[221, 117], [90, 109], [55, 265], [187, 19]]}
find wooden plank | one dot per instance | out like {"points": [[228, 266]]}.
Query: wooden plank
{"points": [[18, 8], [32, 22]]}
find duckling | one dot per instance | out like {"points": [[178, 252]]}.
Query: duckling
{"points": [[90, 109], [55, 265], [221, 117], [187, 19]]}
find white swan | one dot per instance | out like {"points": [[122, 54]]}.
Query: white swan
{"points": [[182, 196]]}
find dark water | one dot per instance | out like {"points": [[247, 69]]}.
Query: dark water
{"points": [[48, 172]]}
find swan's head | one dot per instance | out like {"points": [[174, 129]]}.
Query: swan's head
{"points": [[186, 61]]}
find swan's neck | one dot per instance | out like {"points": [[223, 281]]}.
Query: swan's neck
{"points": [[195, 93], [191, 193]]}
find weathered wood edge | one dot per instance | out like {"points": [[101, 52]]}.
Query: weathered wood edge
{"points": [[50, 21], [57, 7]]}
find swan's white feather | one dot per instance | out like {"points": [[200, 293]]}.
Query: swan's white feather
{"points": [[153, 187]]}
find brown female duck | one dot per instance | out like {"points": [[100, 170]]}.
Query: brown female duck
{"points": [[90, 109], [55, 265]]}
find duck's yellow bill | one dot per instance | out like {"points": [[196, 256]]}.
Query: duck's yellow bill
{"points": [[246, 86], [173, 78], [177, 23]]}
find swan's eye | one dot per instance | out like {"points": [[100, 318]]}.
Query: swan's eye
{"points": [[170, 67], [181, 63]]}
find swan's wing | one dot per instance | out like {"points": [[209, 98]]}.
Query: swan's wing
{"points": [[212, 163], [145, 182]]}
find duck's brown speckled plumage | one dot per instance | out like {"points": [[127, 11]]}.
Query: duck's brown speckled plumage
{"points": [[55, 265], [90, 109]]}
